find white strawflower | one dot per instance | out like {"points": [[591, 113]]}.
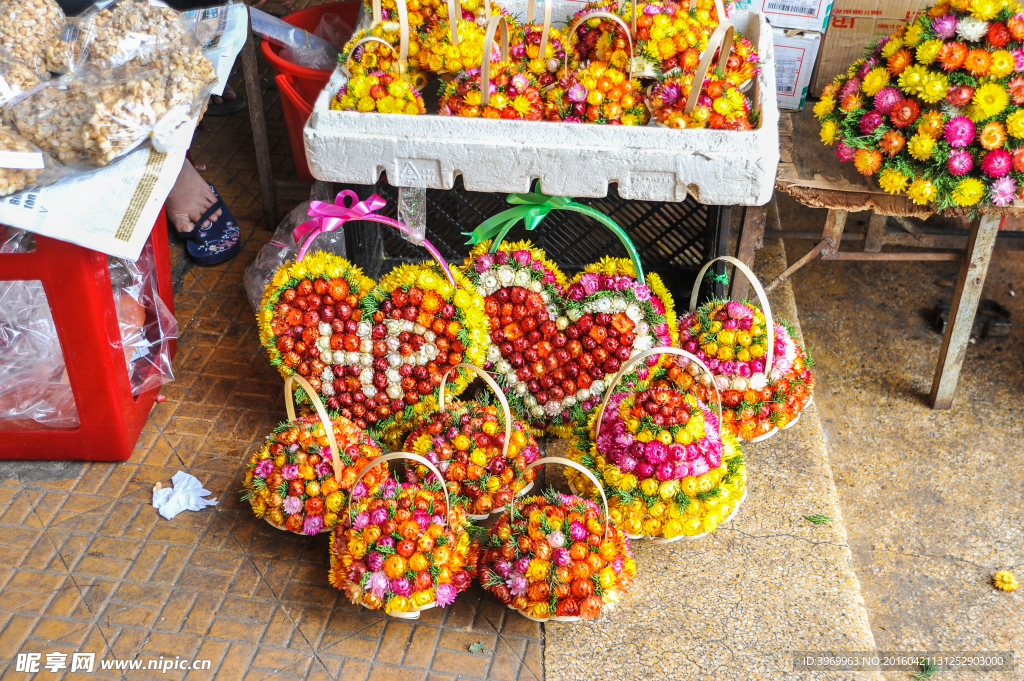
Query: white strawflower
{"points": [[972, 29]]}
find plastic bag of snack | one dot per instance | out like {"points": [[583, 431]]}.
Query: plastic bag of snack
{"points": [[113, 34], [23, 165], [28, 28]]}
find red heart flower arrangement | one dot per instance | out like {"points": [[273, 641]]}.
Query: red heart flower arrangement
{"points": [[482, 460], [556, 557], [403, 548], [378, 355]]}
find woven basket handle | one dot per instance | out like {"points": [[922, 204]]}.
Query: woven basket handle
{"points": [[547, 23], [403, 455], [632, 14], [722, 37], [605, 15], [485, 62], [403, 22], [493, 385], [455, 15], [762, 298], [582, 469], [321, 411], [642, 356]]}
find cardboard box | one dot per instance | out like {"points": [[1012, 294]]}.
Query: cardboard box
{"points": [[854, 26], [795, 54], [806, 15]]}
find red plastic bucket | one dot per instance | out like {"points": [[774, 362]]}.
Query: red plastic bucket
{"points": [[300, 86]]}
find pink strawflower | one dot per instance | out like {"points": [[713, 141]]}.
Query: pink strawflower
{"points": [[292, 505], [518, 585], [374, 561], [852, 87], [944, 27], [401, 587], [960, 162], [378, 583], [959, 131], [290, 471], [843, 152], [886, 99], [313, 524], [997, 163], [1003, 190], [264, 468], [870, 121], [577, 93], [444, 595], [1018, 59]]}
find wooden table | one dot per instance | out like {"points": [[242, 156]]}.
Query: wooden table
{"points": [[811, 174]]}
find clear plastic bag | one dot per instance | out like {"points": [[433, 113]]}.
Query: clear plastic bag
{"points": [[99, 115], [28, 28], [16, 78], [114, 34], [34, 388], [23, 165], [147, 325], [281, 248], [300, 47]]}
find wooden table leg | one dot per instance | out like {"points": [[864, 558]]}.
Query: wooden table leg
{"points": [[876, 233], [751, 239], [831, 237], [251, 72], [969, 285]]}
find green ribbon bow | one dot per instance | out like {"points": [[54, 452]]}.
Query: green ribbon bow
{"points": [[531, 208]]}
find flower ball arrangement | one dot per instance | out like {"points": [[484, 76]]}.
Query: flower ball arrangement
{"points": [[307, 306], [466, 443], [552, 341], [398, 552], [732, 338], [291, 481], [598, 93], [934, 110], [527, 51], [439, 55], [720, 106], [514, 94], [550, 558], [668, 468], [381, 92]]}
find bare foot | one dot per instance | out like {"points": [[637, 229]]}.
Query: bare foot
{"points": [[228, 95], [189, 199]]}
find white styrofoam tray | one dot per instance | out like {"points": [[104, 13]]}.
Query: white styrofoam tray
{"points": [[717, 167]]}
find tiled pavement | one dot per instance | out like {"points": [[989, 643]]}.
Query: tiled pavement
{"points": [[87, 565]]}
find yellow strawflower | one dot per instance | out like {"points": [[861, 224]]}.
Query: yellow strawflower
{"points": [[985, 9], [1015, 124], [990, 100], [892, 181], [892, 47], [921, 147], [968, 192], [1001, 64], [875, 81], [1005, 580], [922, 191], [913, 36], [928, 51], [828, 132], [913, 78], [936, 86], [825, 105]]}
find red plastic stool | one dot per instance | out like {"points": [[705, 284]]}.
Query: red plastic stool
{"points": [[77, 285]]}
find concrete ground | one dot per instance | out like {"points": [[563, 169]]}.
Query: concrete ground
{"points": [[932, 501]]}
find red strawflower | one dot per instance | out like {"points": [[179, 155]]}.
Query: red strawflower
{"points": [[998, 34], [904, 113], [1016, 89]]}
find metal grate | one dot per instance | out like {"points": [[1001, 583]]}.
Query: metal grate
{"points": [[673, 239]]}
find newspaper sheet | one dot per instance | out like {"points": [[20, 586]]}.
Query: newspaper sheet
{"points": [[110, 209]]}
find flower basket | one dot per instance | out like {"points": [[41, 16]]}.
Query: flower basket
{"points": [[378, 356], [762, 373], [554, 341], [304, 472], [399, 550], [555, 557], [663, 459], [483, 467]]}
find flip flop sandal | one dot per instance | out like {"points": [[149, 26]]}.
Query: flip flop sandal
{"points": [[227, 106], [218, 242]]}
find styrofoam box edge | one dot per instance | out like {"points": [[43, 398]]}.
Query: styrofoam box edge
{"points": [[571, 159]]}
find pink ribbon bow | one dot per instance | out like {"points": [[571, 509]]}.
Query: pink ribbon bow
{"points": [[327, 217]]}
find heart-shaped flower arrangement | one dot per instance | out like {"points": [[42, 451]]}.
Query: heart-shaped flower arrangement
{"points": [[403, 548], [662, 458], [556, 557], [483, 458], [553, 342], [302, 475], [376, 354]]}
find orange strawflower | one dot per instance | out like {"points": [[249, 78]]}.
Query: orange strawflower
{"points": [[850, 103], [830, 90], [931, 124], [867, 161], [1016, 89], [1016, 26], [978, 62], [952, 56], [899, 61], [892, 143], [993, 135]]}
